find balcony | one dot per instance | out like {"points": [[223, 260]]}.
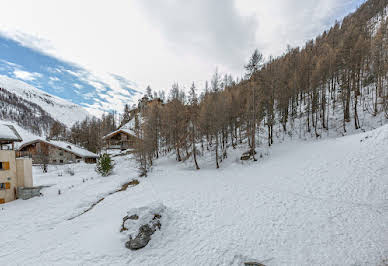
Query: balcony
{"points": [[23, 154]]}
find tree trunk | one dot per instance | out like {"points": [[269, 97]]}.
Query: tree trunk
{"points": [[194, 150], [217, 165]]}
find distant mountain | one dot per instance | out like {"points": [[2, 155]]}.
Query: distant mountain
{"points": [[59, 109], [64, 79]]}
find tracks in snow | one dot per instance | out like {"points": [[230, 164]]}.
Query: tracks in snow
{"points": [[132, 183]]}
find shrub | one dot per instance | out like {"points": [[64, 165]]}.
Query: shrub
{"points": [[104, 165], [69, 171]]}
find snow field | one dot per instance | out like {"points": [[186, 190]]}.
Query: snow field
{"points": [[307, 203]]}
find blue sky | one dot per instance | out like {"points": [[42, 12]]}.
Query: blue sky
{"points": [[58, 77]]}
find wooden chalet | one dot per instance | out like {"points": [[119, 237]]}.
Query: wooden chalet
{"points": [[56, 152], [124, 138]]}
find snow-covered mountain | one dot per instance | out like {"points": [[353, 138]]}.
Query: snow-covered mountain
{"points": [[96, 92], [59, 109]]}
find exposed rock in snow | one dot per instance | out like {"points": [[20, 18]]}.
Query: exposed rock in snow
{"points": [[304, 203], [253, 264], [142, 238], [149, 222]]}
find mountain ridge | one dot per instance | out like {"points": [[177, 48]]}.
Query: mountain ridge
{"points": [[60, 109], [97, 93]]}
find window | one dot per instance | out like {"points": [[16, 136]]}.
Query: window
{"points": [[4, 186], [54, 161], [61, 153], [61, 161], [4, 165]]}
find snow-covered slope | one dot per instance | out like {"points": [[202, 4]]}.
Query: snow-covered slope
{"points": [[96, 92], [306, 203], [64, 111], [375, 22]]}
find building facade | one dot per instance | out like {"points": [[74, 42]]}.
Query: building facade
{"points": [[14, 172], [122, 139], [56, 152]]}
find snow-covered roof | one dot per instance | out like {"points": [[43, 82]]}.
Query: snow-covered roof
{"points": [[121, 130], [128, 128], [9, 133], [64, 145]]}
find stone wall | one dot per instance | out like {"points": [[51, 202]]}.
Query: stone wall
{"points": [[43, 152], [59, 156], [27, 193]]}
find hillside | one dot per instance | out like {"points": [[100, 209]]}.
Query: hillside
{"points": [[34, 109], [333, 85], [60, 109], [316, 203], [97, 93]]}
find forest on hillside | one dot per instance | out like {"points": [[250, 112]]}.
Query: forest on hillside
{"points": [[343, 72], [25, 113], [328, 84]]}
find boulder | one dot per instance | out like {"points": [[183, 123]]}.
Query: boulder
{"points": [[248, 155], [252, 263], [245, 157], [145, 233], [142, 238], [141, 223]]}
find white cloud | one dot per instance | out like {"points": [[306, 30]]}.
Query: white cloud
{"points": [[27, 76], [34, 42], [207, 28], [78, 86], [10, 64], [158, 44], [283, 22]]}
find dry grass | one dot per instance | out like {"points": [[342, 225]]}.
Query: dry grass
{"points": [[132, 183]]}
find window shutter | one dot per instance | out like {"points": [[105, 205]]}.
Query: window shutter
{"points": [[8, 185], [6, 165]]}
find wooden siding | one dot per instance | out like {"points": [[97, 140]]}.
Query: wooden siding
{"points": [[121, 140]]}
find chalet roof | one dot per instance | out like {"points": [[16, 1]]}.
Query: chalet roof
{"points": [[64, 145], [128, 128], [127, 131], [8, 133]]}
